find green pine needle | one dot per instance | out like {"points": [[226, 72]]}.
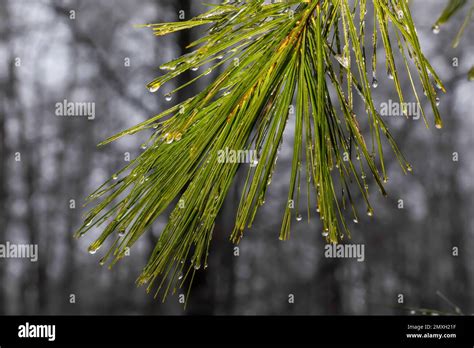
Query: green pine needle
{"points": [[298, 60]]}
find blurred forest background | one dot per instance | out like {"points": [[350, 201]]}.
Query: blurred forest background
{"points": [[46, 57]]}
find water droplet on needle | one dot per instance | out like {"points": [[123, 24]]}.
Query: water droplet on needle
{"points": [[375, 83], [154, 88]]}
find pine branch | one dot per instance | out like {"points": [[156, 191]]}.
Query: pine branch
{"points": [[273, 55]]}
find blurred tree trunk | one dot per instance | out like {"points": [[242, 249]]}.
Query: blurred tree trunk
{"points": [[4, 153], [3, 197], [202, 300], [461, 290], [33, 281], [72, 187], [331, 296], [35, 278], [227, 258], [31, 275], [221, 297], [452, 203]]}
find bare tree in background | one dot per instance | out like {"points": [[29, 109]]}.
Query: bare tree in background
{"points": [[5, 96]]}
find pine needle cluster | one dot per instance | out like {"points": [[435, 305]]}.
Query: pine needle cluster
{"points": [[305, 61]]}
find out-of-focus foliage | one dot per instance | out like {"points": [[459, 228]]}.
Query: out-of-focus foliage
{"points": [[454, 7]]}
